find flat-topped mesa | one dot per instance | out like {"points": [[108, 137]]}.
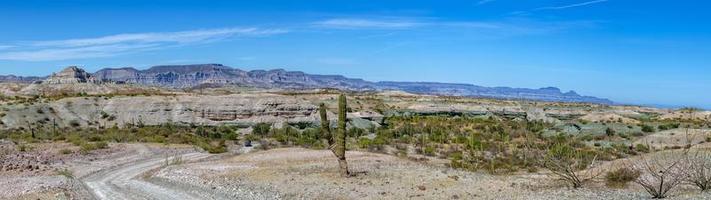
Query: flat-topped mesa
{"points": [[70, 75]]}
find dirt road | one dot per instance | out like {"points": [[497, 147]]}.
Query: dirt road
{"points": [[126, 181]]}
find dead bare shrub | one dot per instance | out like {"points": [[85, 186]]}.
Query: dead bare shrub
{"points": [[661, 172], [698, 169], [574, 166]]}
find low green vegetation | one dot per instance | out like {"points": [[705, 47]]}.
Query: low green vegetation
{"points": [[211, 139], [619, 178], [66, 173], [648, 128]]}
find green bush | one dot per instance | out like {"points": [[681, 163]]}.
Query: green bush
{"points": [[261, 129], [648, 129], [66, 151], [364, 143], [621, 177], [642, 148], [668, 126], [610, 132], [155, 139], [101, 145], [66, 173], [230, 136], [86, 147], [22, 148], [220, 147], [251, 137], [429, 151]]}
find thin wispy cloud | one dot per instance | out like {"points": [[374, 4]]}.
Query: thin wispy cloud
{"points": [[353, 23], [402, 24], [496, 28], [113, 45], [572, 5], [482, 2]]}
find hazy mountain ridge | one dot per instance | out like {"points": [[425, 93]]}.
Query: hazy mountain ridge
{"points": [[19, 79], [187, 76]]}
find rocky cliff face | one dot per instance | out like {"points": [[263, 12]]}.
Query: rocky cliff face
{"points": [[240, 109], [186, 76], [70, 75]]}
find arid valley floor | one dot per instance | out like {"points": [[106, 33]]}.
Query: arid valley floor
{"points": [[114, 141]]}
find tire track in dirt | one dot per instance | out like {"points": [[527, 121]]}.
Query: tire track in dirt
{"points": [[125, 182]]}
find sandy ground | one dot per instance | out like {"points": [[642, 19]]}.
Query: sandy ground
{"points": [[45, 179], [675, 138], [295, 173], [125, 182], [141, 171]]}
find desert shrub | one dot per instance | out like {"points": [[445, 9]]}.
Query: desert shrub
{"points": [[155, 139], [265, 145], [230, 135], [661, 172], [220, 147], [567, 163], [698, 169], [251, 137], [86, 147], [401, 150], [643, 148], [66, 151], [664, 127], [456, 160], [310, 138], [94, 138], [22, 148], [429, 151], [261, 129], [173, 160], [620, 177], [355, 132], [610, 132], [75, 139], [101, 145], [590, 137], [66, 173], [625, 136], [648, 129], [364, 143]]}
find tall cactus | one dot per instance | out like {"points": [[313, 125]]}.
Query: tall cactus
{"points": [[339, 149], [326, 126]]}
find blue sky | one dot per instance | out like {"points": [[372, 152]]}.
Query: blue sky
{"points": [[642, 52]]}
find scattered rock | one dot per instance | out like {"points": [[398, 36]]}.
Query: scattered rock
{"points": [[422, 187]]}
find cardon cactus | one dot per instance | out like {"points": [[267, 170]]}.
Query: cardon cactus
{"points": [[326, 126], [339, 148]]}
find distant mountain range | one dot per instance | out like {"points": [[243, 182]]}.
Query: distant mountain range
{"points": [[188, 76]]}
